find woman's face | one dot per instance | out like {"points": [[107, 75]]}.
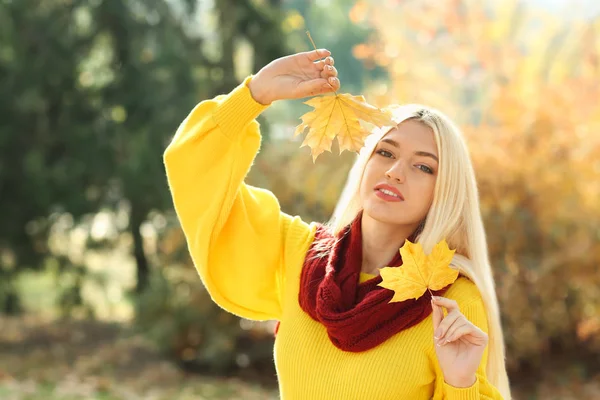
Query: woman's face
{"points": [[399, 179]]}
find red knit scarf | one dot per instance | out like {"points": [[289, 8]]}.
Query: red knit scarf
{"points": [[358, 316]]}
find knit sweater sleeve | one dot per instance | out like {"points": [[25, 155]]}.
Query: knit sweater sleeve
{"points": [[482, 389], [237, 236]]}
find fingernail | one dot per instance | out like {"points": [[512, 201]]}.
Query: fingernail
{"points": [[438, 333], [332, 80], [329, 68]]}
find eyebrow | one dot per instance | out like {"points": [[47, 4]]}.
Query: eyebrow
{"points": [[419, 153]]}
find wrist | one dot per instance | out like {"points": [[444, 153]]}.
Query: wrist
{"points": [[258, 91], [461, 382]]}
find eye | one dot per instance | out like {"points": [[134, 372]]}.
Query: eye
{"points": [[384, 153], [425, 169]]}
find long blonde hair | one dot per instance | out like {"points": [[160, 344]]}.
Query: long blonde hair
{"points": [[454, 215]]}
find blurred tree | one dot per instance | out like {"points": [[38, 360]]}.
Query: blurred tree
{"points": [[91, 92], [524, 86], [152, 62], [334, 25], [51, 148]]}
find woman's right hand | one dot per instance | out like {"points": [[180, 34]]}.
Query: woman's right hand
{"points": [[295, 76]]}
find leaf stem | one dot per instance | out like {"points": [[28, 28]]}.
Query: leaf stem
{"points": [[315, 47], [311, 39]]}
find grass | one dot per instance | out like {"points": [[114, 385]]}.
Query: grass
{"points": [[87, 360], [75, 360], [73, 389]]}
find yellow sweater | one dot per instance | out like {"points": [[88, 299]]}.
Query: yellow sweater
{"points": [[249, 256]]}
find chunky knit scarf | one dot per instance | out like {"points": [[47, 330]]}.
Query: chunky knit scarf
{"points": [[358, 316]]}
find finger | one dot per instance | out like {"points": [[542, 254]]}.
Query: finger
{"points": [[469, 333], [315, 55], [437, 316], [446, 323], [458, 331], [449, 304], [328, 72], [317, 86], [458, 324], [334, 82], [320, 64]]}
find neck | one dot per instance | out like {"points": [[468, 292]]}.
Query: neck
{"points": [[380, 243]]}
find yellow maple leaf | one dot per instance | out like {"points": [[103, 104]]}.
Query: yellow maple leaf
{"points": [[340, 116], [419, 272]]}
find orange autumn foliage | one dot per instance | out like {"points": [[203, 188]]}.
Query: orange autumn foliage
{"points": [[525, 87]]}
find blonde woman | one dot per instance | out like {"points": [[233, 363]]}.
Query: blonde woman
{"points": [[339, 337]]}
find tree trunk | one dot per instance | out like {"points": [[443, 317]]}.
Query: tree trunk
{"points": [[227, 12], [12, 301], [143, 271]]}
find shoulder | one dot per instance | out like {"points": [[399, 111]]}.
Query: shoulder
{"points": [[464, 292], [297, 233], [321, 241], [322, 235]]}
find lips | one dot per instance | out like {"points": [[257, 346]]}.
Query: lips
{"points": [[388, 191]]}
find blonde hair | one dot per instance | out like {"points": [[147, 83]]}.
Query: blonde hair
{"points": [[454, 215]]}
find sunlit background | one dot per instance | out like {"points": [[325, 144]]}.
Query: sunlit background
{"points": [[98, 297]]}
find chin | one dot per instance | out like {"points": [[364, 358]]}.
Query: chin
{"points": [[386, 214]]}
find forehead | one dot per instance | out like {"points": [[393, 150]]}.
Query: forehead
{"points": [[413, 134]]}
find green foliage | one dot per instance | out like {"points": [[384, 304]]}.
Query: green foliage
{"points": [[91, 93], [76, 359], [332, 26]]}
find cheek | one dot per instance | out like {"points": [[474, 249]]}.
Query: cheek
{"points": [[429, 192], [426, 189]]}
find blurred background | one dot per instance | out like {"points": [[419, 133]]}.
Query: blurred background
{"points": [[98, 297]]}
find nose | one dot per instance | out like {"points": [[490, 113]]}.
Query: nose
{"points": [[396, 173]]}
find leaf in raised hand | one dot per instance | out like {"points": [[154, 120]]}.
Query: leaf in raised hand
{"points": [[418, 272], [340, 116]]}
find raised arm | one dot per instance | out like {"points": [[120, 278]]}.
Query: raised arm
{"points": [[236, 234]]}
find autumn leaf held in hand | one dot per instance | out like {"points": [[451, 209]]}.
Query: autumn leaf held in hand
{"points": [[419, 272], [340, 116]]}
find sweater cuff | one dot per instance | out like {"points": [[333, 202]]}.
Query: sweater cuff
{"points": [[237, 110], [469, 393]]}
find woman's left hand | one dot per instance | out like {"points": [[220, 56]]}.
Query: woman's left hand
{"points": [[458, 343]]}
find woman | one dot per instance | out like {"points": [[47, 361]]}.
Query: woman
{"points": [[339, 337]]}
